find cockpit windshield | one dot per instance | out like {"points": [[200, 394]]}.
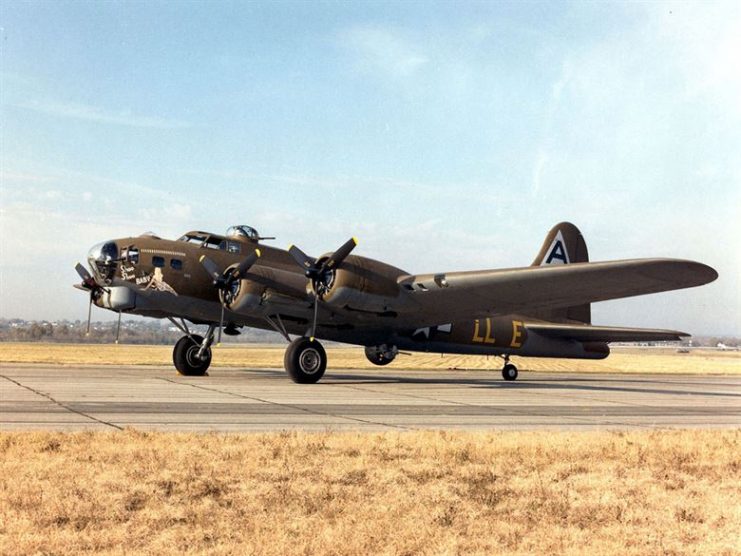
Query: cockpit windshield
{"points": [[193, 238], [204, 240], [235, 237]]}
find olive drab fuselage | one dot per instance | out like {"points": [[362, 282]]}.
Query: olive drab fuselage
{"points": [[166, 278]]}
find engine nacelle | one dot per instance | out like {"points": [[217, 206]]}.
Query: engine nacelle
{"points": [[362, 284], [244, 296], [116, 298], [263, 288]]}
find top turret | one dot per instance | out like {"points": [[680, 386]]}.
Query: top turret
{"points": [[245, 232]]}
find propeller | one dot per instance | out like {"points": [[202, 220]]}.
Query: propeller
{"points": [[224, 281], [320, 272], [88, 284]]}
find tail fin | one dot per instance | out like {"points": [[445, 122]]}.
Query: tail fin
{"points": [[564, 244]]}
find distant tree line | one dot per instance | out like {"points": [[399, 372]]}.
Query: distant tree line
{"points": [[132, 332], [162, 332]]}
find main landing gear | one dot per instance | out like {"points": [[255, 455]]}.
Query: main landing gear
{"points": [[305, 360], [192, 353], [509, 371]]}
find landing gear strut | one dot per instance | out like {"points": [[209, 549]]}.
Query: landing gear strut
{"points": [[305, 360], [509, 371]]}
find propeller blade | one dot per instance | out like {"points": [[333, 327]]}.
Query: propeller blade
{"points": [[118, 328], [336, 258], [246, 264], [304, 261], [221, 324], [88, 282], [313, 322], [89, 314], [82, 271], [211, 267]]}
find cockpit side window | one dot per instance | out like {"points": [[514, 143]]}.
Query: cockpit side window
{"points": [[130, 254], [213, 243], [233, 247]]}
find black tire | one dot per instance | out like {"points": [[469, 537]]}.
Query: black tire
{"points": [[376, 357], [509, 372], [185, 356], [305, 361]]}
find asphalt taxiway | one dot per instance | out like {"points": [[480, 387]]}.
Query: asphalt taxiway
{"points": [[110, 397]]}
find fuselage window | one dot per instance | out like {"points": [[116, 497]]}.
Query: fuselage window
{"points": [[176, 264], [233, 247], [158, 261]]}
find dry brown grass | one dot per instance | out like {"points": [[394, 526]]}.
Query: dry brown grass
{"points": [[393, 493], [622, 360]]}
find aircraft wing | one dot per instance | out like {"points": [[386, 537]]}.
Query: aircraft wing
{"points": [[460, 295], [589, 333]]}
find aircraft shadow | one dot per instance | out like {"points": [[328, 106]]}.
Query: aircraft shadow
{"points": [[586, 384], [581, 383]]}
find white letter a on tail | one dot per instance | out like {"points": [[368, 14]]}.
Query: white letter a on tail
{"points": [[557, 253]]}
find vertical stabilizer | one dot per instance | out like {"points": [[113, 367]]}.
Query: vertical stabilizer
{"points": [[564, 244]]}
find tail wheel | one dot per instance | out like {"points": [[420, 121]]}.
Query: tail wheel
{"points": [[305, 361], [509, 372], [186, 359]]}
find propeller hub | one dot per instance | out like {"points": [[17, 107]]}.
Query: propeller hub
{"points": [[322, 282]]}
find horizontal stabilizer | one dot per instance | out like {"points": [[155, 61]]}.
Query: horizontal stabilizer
{"points": [[588, 333]]}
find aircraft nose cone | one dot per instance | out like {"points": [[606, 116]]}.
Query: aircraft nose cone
{"points": [[103, 259], [104, 252]]}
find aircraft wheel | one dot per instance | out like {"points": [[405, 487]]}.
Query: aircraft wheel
{"points": [[377, 357], [305, 361], [185, 356], [509, 372]]}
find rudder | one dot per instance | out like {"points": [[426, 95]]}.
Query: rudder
{"points": [[564, 244]]}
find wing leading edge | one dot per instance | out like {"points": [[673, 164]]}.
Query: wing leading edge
{"points": [[455, 295]]}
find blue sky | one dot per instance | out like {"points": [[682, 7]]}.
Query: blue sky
{"points": [[446, 136]]}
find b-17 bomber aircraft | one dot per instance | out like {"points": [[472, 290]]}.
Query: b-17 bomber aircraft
{"points": [[233, 281]]}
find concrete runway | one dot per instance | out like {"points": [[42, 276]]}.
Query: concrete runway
{"points": [[109, 398]]}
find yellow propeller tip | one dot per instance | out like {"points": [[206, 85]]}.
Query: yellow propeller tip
{"points": [[355, 240], [258, 253], [201, 259], [311, 339]]}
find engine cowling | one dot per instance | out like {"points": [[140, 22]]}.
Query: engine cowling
{"points": [[243, 296], [361, 284], [263, 287]]}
